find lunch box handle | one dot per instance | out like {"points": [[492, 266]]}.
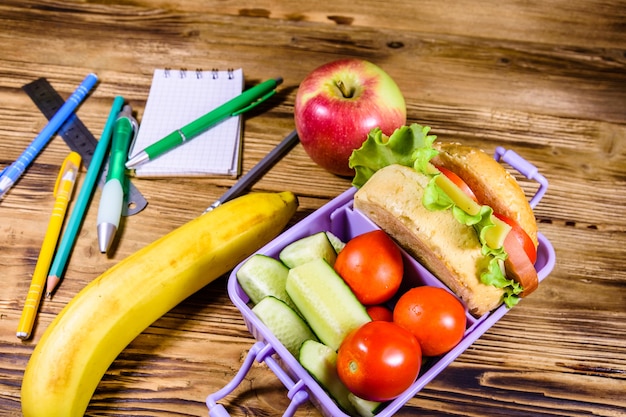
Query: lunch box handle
{"points": [[526, 169], [261, 352]]}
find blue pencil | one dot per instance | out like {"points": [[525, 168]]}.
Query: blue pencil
{"points": [[11, 174], [84, 196]]}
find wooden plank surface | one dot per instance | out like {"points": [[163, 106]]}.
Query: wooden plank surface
{"points": [[545, 79]]}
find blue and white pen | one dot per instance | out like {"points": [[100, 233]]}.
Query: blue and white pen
{"points": [[14, 171]]}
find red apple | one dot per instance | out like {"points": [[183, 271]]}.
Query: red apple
{"points": [[338, 104]]}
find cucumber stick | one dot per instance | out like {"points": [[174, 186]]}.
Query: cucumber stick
{"points": [[321, 362], [261, 276], [325, 301], [336, 242], [308, 248], [364, 408], [284, 323]]}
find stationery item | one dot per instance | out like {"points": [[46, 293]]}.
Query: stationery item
{"points": [[178, 97], [17, 168], [112, 198], [78, 138], [62, 192], [84, 196], [258, 170], [216, 151]]}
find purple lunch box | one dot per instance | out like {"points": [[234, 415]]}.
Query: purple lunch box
{"points": [[339, 217]]}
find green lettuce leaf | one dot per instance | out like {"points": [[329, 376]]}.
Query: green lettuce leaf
{"points": [[493, 275], [406, 146], [412, 146]]}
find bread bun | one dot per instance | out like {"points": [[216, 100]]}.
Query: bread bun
{"points": [[392, 198], [492, 184]]}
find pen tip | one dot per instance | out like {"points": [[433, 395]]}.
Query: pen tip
{"points": [[279, 80], [213, 206], [106, 232], [137, 160], [48, 294]]}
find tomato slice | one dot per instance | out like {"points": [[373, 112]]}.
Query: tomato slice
{"points": [[518, 265], [458, 181], [522, 237], [518, 245]]}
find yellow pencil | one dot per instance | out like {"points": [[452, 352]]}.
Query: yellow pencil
{"points": [[62, 192]]}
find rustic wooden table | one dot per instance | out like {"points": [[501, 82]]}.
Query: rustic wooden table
{"points": [[545, 79]]}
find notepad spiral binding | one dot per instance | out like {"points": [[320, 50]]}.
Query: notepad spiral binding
{"points": [[199, 73]]}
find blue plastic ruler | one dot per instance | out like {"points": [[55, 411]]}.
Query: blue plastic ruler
{"points": [[78, 137]]}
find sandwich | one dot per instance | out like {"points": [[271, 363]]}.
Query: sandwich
{"points": [[455, 209]]}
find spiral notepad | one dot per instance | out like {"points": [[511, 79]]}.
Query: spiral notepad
{"points": [[178, 97]]}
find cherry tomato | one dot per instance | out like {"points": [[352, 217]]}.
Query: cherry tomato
{"points": [[379, 312], [458, 181], [379, 360], [371, 264], [522, 237], [434, 316]]}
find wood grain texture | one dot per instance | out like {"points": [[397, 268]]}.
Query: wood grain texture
{"points": [[545, 79]]}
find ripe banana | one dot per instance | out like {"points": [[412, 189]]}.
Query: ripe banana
{"points": [[101, 320]]}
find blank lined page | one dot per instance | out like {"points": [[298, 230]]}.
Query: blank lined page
{"points": [[178, 97]]}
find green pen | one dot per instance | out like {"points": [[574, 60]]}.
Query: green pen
{"points": [[116, 186], [240, 104]]}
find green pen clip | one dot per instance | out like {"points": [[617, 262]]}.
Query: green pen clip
{"points": [[135, 125], [256, 103]]}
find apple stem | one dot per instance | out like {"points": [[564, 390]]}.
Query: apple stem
{"points": [[344, 91]]}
